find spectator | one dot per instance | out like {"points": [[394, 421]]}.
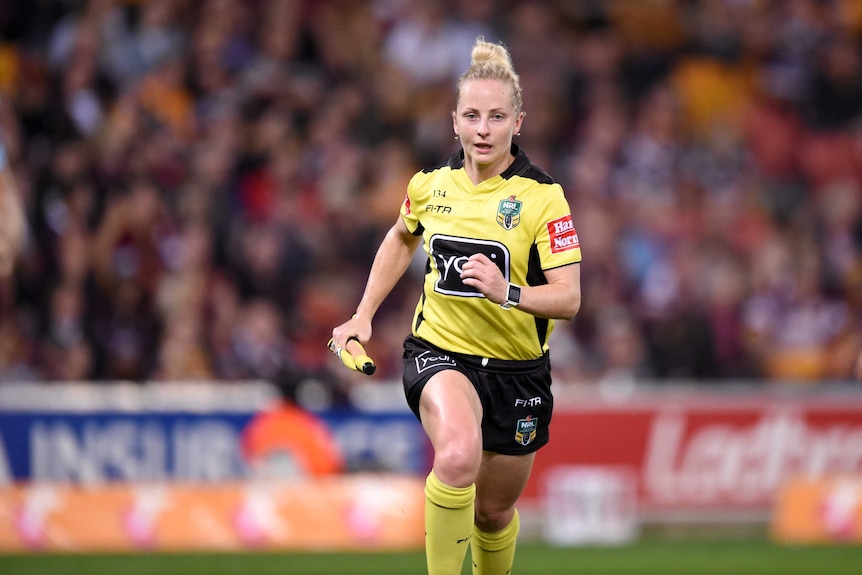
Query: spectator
{"points": [[180, 164]]}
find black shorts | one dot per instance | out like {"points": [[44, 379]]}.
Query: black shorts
{"points": [[516, 395]]}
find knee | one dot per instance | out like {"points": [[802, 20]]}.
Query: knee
{"points": [[457, 463], [493, 520]]}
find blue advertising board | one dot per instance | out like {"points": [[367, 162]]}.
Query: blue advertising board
{"points": [[148, 436]]}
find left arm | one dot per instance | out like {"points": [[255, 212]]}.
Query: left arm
{"points": [[560, 298]]}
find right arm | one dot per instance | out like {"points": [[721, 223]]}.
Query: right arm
{"points": [[12, 220], [391, 261]]}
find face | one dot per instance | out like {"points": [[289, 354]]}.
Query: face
{"points": [[485, 122]]}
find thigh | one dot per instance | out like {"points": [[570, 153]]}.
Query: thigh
{"points": [[421, 362], [501, 481], [450, 410]]}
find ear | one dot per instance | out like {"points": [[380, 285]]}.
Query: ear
{"points": [[519, 121], [454, 124]]}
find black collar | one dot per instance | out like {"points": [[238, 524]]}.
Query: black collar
{"points": [[456, 161]]}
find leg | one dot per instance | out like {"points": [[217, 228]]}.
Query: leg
{"points": [[501, 481], [451, 414]]}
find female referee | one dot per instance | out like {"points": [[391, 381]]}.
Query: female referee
{"points": [[503, 260]]}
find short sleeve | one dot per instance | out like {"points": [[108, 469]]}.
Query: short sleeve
{"points": [[556, 237], [411, 220]]}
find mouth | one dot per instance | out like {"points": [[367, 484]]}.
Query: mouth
{"points": [[482, 147]]}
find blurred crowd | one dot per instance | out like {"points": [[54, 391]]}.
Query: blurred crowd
{"points": [[206, 181]]}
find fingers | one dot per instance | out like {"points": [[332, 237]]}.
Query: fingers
{"points": [[354, 348], [351, 329], [345, 343], [353, 356], [484, 275], [361, 361], [476, 268], [478, 261]]}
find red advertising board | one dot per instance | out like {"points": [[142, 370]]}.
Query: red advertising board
{"points": [[707, 452]]}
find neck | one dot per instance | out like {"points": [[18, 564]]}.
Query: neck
{"points": [[478, 173]]}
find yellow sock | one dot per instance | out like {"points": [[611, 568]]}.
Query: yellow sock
{"points": [[448, 525], [494, 553]]}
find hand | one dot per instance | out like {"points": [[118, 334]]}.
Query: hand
{"points": [[355, 327], [357, 360], [479, 272]]}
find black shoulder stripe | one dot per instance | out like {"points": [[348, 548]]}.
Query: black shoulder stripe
{"points": [[434, 168], [524, 168], [454, 162], [536, 173]]}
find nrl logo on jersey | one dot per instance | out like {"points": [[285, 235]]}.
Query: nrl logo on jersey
{"points": [[509, 213], [526, 429]]}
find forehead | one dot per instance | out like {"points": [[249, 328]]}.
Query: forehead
{"points": [[485, 94]]}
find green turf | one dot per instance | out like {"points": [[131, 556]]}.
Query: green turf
{"points": [[732, 557]]}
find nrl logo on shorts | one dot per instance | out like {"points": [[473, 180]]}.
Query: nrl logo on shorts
{"points": [[525, 431], [509, 213]]}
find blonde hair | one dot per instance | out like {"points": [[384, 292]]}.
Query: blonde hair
{"points": [[491, 62]]}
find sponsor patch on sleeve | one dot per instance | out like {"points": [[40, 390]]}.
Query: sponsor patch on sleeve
{"points": [[407, 205], [563, 235]]}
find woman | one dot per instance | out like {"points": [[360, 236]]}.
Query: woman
{"points": [[503, 260]]}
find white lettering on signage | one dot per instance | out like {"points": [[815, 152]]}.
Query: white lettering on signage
{"points": [[126, 450], [743, 463], [563, 226], [565, 242], [563, 235]]}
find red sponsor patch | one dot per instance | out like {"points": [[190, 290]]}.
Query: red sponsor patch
{"points": [[563, 235], [407, 205]]}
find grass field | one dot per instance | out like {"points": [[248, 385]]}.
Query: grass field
{"points": [[661, 557]]}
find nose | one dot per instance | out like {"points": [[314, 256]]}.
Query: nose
{"points": [[483, 127]]}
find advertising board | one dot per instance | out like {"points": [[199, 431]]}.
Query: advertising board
{"points": [[706, 454]]}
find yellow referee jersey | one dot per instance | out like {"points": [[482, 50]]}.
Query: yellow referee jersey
{"points": [[520, 220]]}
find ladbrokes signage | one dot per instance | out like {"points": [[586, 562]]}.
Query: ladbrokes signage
{"points": [[702, 453], [722, 459]]}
